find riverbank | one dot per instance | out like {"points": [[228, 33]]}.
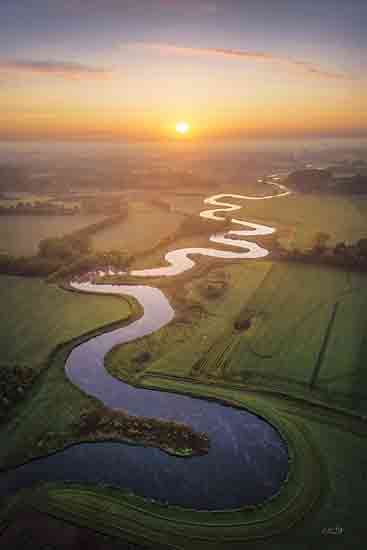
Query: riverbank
{"points": [[176, 527]]}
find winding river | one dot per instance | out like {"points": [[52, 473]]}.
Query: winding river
{"points": [[247, 461]]}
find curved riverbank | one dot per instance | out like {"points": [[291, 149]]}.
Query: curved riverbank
{"points": [[180, 527], [247, 453]]}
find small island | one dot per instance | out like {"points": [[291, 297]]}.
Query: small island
{"points": [[171, 437]]}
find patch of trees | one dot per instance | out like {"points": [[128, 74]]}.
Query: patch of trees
{"points": [[69, 255], [15, 380], [310, 180], [34, 266], [39, 209], [242, 324], [117, 260], [322, 181], [103, 423], [350, 256]]}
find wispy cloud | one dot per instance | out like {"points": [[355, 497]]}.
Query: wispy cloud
{"points": [[62, 69], [131, 7], [198, 7], [304, 67]]}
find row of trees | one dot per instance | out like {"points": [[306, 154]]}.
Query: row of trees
{"points": [[39, 208], [69, 255], [351, 256]]}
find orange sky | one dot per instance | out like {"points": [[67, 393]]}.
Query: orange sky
{"points": [[136, 77]]}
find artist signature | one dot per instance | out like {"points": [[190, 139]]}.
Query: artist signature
{"points": [[333, 530]]}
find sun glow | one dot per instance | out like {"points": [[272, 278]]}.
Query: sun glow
{"points": [[182, 127]]}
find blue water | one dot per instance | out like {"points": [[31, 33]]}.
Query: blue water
{"points": [[247, 461]]}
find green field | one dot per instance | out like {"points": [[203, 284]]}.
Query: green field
{"points": [[343, 218], [199, 320], [284, 346], [305, 342], [144, 227], [289, 329], [35, 317], [282, 349], [21, 234]]}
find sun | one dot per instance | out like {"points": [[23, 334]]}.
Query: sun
{"points": [[182, 127]]}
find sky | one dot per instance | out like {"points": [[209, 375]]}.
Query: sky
{"points": [[132, 69]]}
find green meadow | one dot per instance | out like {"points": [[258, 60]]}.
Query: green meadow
{"points": [[343, 218], [294, 341], [286, 340], [35, 317], [21, 234], [145, 225]]}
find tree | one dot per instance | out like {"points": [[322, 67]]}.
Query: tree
{"points": [[340, 248], [320, 240], [362, 248]]}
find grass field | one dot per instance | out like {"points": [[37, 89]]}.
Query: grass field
{"points": [[294, 343], [289, 329], [177, 346], [20, 235], [36, 317], [144, 227], [344, 218], [308, 326]]}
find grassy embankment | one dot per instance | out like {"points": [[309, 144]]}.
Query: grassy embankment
{"points": [[40, 324], [119, 513], [53, 414]]}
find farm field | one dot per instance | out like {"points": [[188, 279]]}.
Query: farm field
{"points": [[311, 343], [193, 203], [130, 234], [199, 320], [44, 419], [30, 305], [20, 235], [289, 338], [239, 325], [343, 218]]}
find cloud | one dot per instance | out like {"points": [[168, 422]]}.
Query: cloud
{"points": [[61, 69], [304, 67], [139, 7], [198, 7]]}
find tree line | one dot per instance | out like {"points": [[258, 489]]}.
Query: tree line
{"points": [[59, 257], [349, 256]]}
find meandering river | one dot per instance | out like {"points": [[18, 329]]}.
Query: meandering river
{"points": [[247, 461]]}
